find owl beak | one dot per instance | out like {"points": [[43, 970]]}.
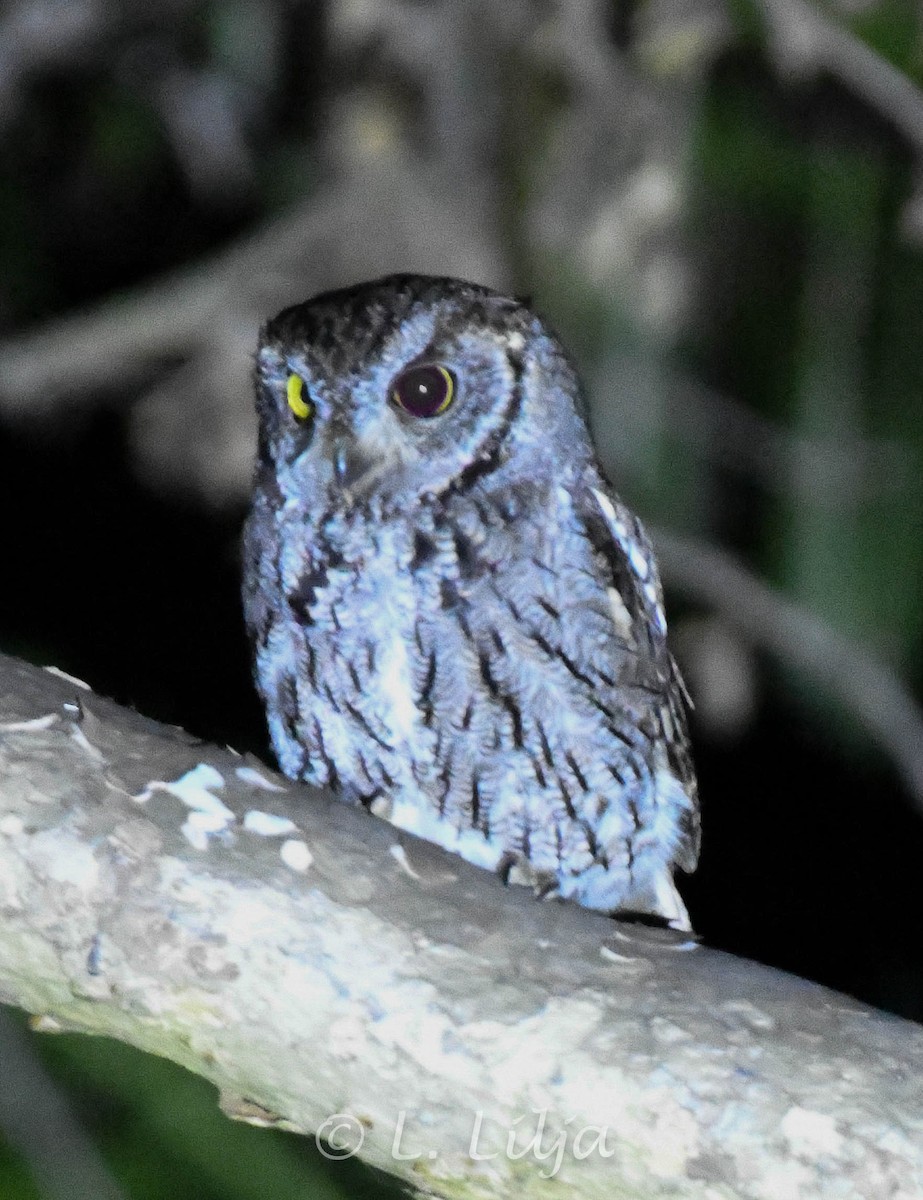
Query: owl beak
{"points": [[350, 465]]}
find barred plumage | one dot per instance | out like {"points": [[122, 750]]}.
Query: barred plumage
{"points": [[455, 621]]}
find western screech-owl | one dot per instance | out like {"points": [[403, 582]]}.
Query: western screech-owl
{"points": [[455, 621]]}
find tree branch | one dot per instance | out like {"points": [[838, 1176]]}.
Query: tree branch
{"points": [[334, 966], [806, 40]]}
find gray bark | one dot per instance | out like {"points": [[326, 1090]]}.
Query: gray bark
{"points": [[480, 1043]]}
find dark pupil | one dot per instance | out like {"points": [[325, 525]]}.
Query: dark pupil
{"points": [[421, 391]]}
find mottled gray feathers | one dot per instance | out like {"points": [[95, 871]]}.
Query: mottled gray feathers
{"points": [[455, 620]]}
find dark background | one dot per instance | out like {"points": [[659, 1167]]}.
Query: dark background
{"points": [[719, 208]]}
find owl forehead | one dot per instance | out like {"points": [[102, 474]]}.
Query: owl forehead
{"points": [[385, 326]]}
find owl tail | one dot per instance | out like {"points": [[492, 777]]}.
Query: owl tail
{"points": [[662, 899]]}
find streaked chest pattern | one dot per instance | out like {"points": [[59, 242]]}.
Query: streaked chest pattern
{"points": [[468, 672], [456, 621]]}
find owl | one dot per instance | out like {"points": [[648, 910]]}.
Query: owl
{"points": [[455, 621]]}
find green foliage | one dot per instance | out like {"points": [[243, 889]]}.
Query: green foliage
{"points": [[811, 322], [163, 1135]]}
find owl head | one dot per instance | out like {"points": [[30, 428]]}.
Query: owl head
{"points": [[409, 387]]}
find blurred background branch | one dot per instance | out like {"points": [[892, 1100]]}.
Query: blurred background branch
{"points": [[878, 699], [805, 40]]}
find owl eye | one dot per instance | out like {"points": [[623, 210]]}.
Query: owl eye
{"points": [[424, 391], [298, 400]]}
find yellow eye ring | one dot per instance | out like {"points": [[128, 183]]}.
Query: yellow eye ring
{"points": [[424, 391], [298, 402]]}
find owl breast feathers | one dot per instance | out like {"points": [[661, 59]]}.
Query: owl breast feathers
{"points": [[455, 621]]}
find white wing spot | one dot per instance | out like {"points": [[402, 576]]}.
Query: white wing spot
{"points": [[621, 617], [638, 560], [607, 506]]}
